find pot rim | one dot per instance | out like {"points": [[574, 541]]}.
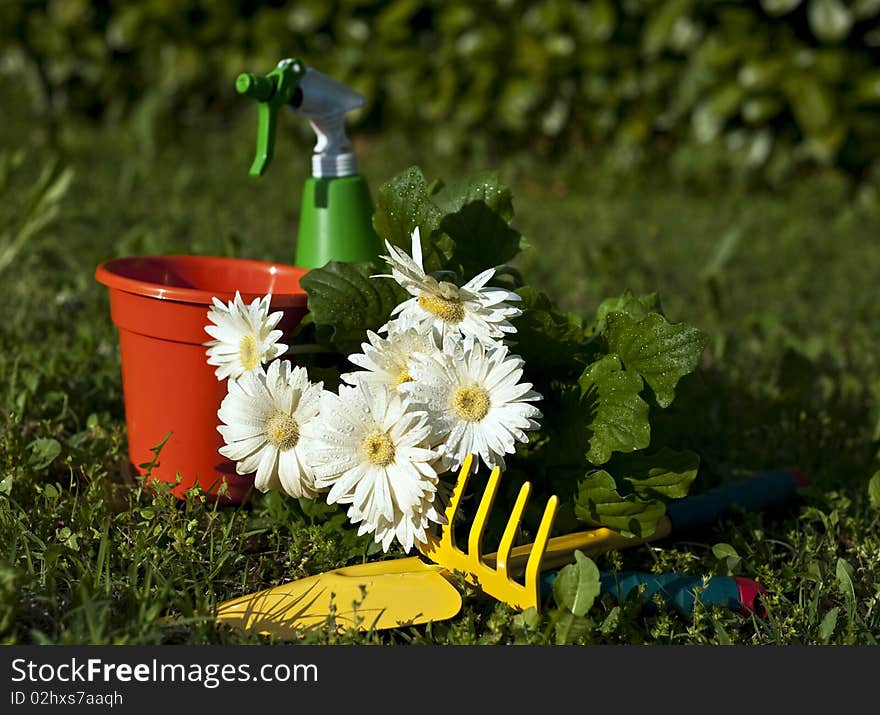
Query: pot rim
{"points": [[106, 273]]}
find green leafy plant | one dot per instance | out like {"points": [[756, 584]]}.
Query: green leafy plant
{"points": [[602, 377]]}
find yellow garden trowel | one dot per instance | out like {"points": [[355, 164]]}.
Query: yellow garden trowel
{"points": [[371, 596], [410, 591]]}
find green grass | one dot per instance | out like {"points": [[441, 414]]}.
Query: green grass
{"points": [[784, 282]]}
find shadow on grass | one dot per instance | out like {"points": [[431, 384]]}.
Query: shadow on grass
{"points": [[802, 417]]}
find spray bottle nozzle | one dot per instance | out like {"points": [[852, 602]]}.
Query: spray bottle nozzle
{"points": [[260, 88], [272, 92], [313, 95]]}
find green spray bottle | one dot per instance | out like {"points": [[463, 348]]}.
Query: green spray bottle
{"points": [[336, 219]]}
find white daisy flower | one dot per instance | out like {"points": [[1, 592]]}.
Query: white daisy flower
{"points": [[471, 310], [475, 401], [409, 530], [387, 361], [263, 415], [244, 336], [370, 449]]}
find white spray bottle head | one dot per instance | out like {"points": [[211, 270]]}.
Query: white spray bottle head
{"points": [[324, 102]]}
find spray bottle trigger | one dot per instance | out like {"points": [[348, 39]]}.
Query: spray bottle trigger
{"points": [[272, 92]]}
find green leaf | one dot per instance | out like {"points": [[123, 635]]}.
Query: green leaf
{"points": [[577, 585], [636, 307], [402, 203], [546, 338], [667, 473], [569, 628], [565, 424], [830, 20], [661, 23], [482, 238], [602, 19], [316, 510], [874, 490], [661, 352], [52, 553], [609, 625], [599, 503], [464, 226], [712, 113], [345, 301], [485, 187], [529, 619], [727, 554], [828, 624], [721, 634], [779, 7], [616, 416], [517, 101], [844, 581], [724, 551], [812, 103], [43, 452]]}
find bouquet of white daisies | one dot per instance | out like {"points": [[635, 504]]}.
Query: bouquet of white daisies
{"points": [[437, 382], [451, 367]]}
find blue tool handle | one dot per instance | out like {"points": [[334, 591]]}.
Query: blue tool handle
{"points": [[764, 491], [677, 590]]}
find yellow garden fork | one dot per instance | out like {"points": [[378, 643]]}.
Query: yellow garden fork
{"points": [[493, 574]]}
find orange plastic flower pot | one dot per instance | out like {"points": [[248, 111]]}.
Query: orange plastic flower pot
{"points": [[160, 305]]}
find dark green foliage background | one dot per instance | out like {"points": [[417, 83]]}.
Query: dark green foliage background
{"points": [[761, 84]]}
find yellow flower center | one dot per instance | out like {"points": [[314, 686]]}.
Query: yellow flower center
{"points": [[471, 403], [282, 431], [448, 308], [403, 376], [248, 352], [378, 448]]}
